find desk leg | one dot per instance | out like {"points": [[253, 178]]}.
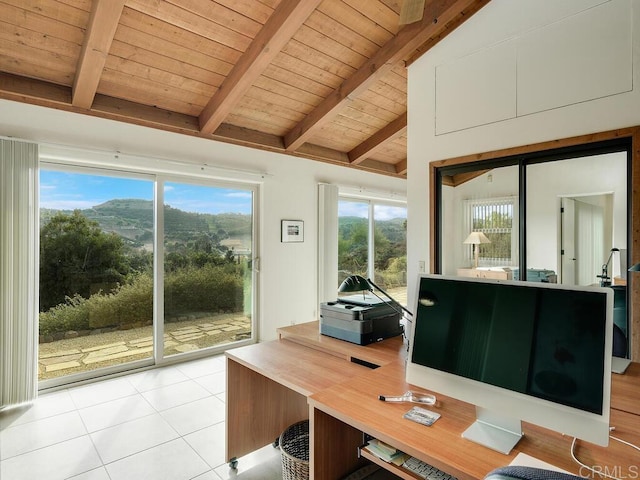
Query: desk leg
{"points": [[258, 410], [333, 447]]}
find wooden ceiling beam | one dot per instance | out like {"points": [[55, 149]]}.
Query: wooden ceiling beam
{"points": [[105, 15], [378, 167], [401, 167], [386, 134], [285, 21], [461, 178], [37, 92], [437, 21]]}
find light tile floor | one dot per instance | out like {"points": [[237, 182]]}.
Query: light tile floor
{"points": [[167, 423]]}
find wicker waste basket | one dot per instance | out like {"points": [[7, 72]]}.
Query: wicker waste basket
{"points": [[294, 445]]}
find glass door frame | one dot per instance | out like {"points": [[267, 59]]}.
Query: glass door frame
{"points": [[522, 161], [159, 258], [157, 358]]}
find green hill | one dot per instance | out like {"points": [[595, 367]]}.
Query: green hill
{"points": [[133, 220], [394, 230]]}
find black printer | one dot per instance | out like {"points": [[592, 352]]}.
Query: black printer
{"points": [[361, 319]]}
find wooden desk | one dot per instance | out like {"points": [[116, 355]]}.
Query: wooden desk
{"points": [[441, 445], [305, 375], [268, 383], [381, 353], [477, 273]]}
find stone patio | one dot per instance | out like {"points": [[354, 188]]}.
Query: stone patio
{"points": [[75, 355]]}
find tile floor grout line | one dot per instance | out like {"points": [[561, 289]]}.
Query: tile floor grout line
{"points": [[200, 438]]}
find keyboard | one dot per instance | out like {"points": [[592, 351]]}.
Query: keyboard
{"points": [[424, 470]]}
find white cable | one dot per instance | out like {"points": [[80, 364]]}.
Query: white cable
{"points": [[625, 442], [598, 471]]}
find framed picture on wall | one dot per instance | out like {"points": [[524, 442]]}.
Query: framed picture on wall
{"points": [[292, 231]]}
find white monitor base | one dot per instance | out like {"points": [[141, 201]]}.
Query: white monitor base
{"points": [[497, 433], [619, 365]]}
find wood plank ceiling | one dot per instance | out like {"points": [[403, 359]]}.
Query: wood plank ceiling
{"points": [[318, 79]]}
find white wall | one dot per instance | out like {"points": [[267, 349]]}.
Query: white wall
{"points": [[288, 272], [516, 73]]}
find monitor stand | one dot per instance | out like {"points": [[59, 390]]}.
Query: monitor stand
{"points": [[619, 364], [494, 431]]}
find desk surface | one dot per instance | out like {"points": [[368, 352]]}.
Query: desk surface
{"points": [[442, 444], [319, 369], [625, 390], [380, 353], [299, 368]]}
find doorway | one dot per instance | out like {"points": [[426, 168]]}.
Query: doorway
{"points": [[585, 237]]}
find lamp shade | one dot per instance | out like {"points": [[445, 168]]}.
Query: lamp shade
{"points": [[354, 283], [476, 238]]}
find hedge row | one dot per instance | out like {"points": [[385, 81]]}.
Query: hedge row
{"points": [[206, 289]]}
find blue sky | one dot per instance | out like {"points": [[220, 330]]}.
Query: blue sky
{"points": [[361, 209], [68, 191]]}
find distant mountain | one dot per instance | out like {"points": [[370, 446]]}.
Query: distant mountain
{"points": [[133, 220], [394, 229]]}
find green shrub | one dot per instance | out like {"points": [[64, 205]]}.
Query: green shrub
{"points": [[212, 288], [395, 275], [130, 304], [71, 315]]}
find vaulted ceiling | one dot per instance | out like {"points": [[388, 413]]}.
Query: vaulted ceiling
{"points": [[319, 79]]}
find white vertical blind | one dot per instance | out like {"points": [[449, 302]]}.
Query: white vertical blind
{"points": [[496, 218], [19, 245]]}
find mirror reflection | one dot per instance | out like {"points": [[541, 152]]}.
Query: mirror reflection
{"points": [[480, 224], [576, 215], [575, 219]]}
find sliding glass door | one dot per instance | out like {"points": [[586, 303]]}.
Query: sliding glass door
{"points": [[96, 271], [125, 283], [208, 282]]}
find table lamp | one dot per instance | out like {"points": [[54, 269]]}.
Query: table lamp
{"points": [[475, 239], [605, 280], [357, 283]]}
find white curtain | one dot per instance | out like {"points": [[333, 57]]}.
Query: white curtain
{"points": [[327, 242], [19, 245]]}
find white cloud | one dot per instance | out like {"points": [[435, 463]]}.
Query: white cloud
{"points": [[62, 204], [247, 195], [386, 212]]}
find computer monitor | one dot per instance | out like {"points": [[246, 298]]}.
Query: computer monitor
{"points": [[519, 351]]}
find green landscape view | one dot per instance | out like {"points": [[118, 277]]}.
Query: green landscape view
{"points": [[390, 245], [100, 260]]}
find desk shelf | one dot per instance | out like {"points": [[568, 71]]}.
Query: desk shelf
{"points": [[395, 469]]}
